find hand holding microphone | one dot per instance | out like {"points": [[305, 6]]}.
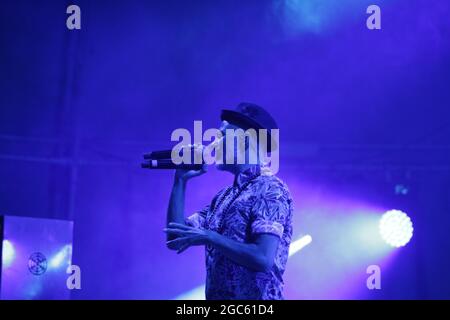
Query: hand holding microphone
{"points": [[163, 160]]}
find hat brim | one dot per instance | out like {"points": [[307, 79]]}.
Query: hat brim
{"points": [[245, 122]]}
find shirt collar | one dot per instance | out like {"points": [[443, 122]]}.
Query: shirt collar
{"points": [[247, 175]]}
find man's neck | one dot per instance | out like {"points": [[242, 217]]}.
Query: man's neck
{"points": [[249, 170], [242, 168]]}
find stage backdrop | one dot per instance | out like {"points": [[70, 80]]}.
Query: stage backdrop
{"points": [[363, 117]]}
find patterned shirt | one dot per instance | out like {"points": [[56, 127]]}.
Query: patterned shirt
{"points": [[262, 204]]}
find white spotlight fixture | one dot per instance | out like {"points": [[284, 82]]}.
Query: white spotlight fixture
{"points": [[396, 228]]}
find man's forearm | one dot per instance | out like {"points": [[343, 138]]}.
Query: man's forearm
{"points": [[247, 254], [175, 212]]}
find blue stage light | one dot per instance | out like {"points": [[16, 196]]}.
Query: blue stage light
{"points": [[396, 228], [61, 256], [8, 253]]}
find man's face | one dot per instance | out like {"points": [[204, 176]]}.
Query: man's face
{"points": [[221, 165], [225, 125]]}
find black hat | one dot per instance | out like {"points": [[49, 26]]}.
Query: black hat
{"points": [[251, 116]]}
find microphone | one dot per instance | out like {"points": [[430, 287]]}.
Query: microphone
{"points": [[163, 160], [168, 164], [164, 154]]}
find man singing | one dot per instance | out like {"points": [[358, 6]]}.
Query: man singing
{"points": [[247, 227]]}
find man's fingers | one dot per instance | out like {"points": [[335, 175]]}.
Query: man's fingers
{"points": [[181, 243], [184, 247], [178, 240], [179, 226], [178, 231], [204, 168]]}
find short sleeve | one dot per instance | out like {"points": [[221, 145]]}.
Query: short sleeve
{"points": [[270, 211], [197, 219]]}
